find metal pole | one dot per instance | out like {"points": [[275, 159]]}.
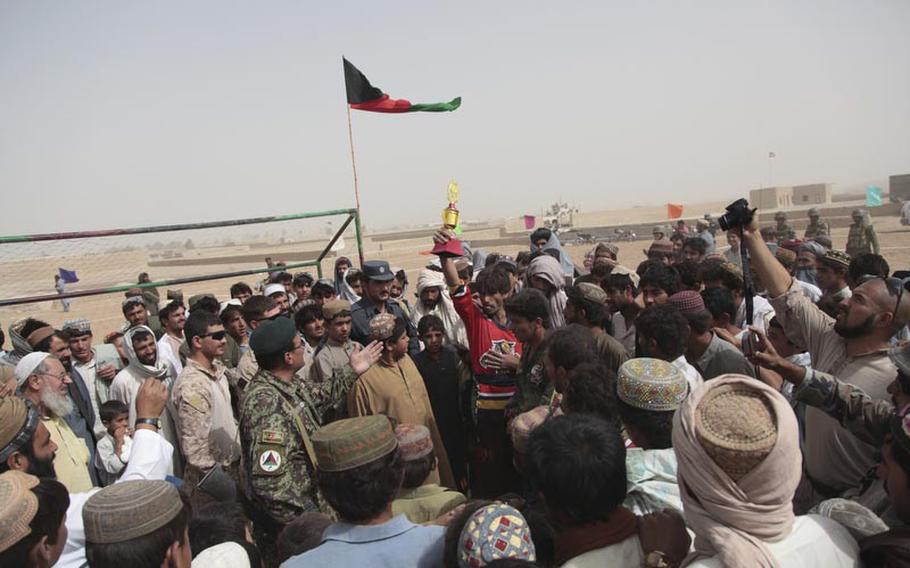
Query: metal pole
{"points": [[357, 229], [171, 282], [168, 228], [353, 162]]}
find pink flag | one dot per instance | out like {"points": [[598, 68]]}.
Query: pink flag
{"points": [[530, 221]]}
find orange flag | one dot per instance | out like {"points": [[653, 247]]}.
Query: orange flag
{"points": [[674, 211]]}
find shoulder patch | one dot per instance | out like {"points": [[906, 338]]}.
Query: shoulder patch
{"points": [[270, 461], [195, 400], [272, 437]]}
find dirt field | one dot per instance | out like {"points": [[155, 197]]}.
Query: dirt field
{"points": [[104, 310]]}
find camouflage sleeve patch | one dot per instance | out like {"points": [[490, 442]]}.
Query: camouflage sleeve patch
{"points": [[271, 461]]}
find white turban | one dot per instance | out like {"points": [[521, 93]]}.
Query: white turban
{"points": [[28, 364], [274, 288]]}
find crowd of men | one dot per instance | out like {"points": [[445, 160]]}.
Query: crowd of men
{"points": [[511, 412]]}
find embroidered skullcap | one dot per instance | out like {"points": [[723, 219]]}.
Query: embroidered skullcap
{"points": [[737, 427], [28, 364], [132, 300], [688, 302], [609, 247], [39, 335], [78, 326], [633, 276], [353, 442], [381, 326], [662, 246], [18, 506], [592, 292], [18, 422], [274, 288], [333, 308], [651, 384], [129, 509], [414, 441], [493, 532], [837, 258]]}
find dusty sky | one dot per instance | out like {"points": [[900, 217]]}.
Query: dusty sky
{"points": [[131, 113]]}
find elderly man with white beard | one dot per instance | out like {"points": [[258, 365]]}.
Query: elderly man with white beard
{"points": [[42, 380]]}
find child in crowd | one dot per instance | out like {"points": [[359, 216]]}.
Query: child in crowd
{"points": [[421, 502], [114, 448]]}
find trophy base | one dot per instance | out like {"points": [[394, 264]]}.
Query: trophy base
{"points": [[452, 247]]}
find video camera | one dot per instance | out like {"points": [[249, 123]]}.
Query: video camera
{"points": [[738, 215]]}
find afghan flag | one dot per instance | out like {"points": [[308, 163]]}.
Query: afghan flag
{"points": [[364, 96]]}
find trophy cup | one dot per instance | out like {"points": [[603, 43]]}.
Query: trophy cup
{"points": [[452, 247]]}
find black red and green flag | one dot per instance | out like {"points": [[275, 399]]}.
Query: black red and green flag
{"points": [[364, 96]]}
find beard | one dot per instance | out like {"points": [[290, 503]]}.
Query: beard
{"points": [[150, 361], [57, 404], [854, 331], [41, 468], [430, 304]]}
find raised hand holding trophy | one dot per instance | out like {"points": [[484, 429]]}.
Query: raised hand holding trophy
{"points": [[452, 247]]}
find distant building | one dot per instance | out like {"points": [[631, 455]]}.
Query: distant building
{"points": [[899, 188], [795, 196], [812, 194], [771, 198]]}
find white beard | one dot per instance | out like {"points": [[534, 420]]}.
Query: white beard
{"points": [[56, 404]]}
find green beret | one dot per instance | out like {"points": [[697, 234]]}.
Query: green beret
{"points": [[272, 336], [353, 442]]}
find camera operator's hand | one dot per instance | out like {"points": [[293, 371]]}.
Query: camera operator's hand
{"points": [[767, 357]]}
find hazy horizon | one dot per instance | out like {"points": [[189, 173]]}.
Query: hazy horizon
{"points": [[127, 114]]}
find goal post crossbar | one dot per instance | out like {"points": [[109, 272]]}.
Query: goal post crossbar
{"points": [[352, 216]]}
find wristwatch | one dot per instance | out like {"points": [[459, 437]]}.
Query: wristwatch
{"points": [[156, 422], [657, 559]]}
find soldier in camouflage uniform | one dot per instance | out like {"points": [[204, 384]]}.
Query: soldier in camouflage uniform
{"points": [[277, 418], [203, 416], [784, 231], [816, 226], [862, 238]]}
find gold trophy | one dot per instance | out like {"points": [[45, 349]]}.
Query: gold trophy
{"points": [[452, 247]]}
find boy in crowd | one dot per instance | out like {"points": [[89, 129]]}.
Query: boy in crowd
{"points": [[420, 501], [114, 448], [445, 377]]}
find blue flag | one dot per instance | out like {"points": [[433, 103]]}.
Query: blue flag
{"points": [[68, 276], [873, 196]]}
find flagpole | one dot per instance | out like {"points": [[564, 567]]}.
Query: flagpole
{"points": [[354, 169]]}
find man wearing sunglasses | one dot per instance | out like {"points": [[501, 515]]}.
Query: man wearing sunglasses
{"points": [[854, 345], [202, 403]]}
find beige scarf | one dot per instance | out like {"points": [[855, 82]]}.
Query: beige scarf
{"points": [[733, 520]]}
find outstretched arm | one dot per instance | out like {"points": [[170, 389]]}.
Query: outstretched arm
{"points": [[769, 270]]}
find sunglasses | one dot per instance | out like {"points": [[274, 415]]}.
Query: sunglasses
{"points": [[217, 336], [896, 286]]}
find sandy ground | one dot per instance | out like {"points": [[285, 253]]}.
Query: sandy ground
{"points": [[35, 275]]}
